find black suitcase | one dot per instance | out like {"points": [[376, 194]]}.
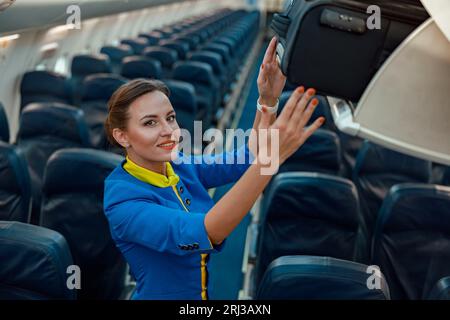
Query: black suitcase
{"points": [[328, 45]]}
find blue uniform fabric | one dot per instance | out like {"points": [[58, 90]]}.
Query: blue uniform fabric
{"points": [[162, 242]]}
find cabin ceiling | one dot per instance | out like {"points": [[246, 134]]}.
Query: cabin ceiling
{"points": [[28, 14]]}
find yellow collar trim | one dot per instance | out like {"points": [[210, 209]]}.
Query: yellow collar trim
{"points": [[151, 177]]}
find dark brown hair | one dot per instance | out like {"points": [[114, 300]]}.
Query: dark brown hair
{"points": [[122, 98]]}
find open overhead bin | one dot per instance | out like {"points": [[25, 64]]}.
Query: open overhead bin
{"points": [[406, 106]]}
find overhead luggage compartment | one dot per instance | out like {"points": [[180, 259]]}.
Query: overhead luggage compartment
{"points": [[406, 107]]}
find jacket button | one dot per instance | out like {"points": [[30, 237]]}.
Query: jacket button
{"points": [[188, 201], [195, 245], [181, 189]]}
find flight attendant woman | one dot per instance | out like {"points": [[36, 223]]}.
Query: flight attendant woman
{"points": [[160, 214]]}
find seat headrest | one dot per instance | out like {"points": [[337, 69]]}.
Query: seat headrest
{"points": [[151, 39], [4, 126], [219, 48], [181, 47], [193, 41], [212, 58], [100, 86], [54, 119], [322, 150], [413, 206], [289, 188], [138, 44], [372, 159], [319, 278], [35, 261], [182, 95], [44, 82], [141, 67], [85, 169], [86, 64], [166, 56], [193, 71], [117, 53]]}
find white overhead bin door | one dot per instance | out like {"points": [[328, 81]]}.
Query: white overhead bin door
{"points": [[406, 107]]}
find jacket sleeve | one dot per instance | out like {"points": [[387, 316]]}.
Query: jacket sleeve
{"points": [[160, 228], [217, 170]]}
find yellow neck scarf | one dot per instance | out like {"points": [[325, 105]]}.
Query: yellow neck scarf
{"points": [[151, 177]]}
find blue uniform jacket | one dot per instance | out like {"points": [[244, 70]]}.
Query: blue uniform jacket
{"points": [[164, 245]]}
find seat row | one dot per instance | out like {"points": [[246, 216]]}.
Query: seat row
{"points": [[211, 67], [321, 215]]}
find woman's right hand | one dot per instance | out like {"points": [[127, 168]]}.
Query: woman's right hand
{"points": [[290, 125]]}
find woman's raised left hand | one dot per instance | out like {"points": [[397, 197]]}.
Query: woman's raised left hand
{"points": [[271, 80]]}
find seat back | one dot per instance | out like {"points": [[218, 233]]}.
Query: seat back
{"points": [[35, 261], [138, 44], [96, 91], [194, 72], [15, 185], [43, 86], [116, 54], [377, 169], [166, 56], [181, 47], [87, 64], [309, 214], [412, 238], [182, 97], [320, 153], [43, 129], [73, 205], [320, 278], [141, 67], [84, 65]]}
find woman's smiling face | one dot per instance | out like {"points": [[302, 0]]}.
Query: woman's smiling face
{"points": [[151, 133]]}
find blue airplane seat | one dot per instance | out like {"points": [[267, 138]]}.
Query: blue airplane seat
{"points": [[320, 153], [181, 47], [215, 61], [166, 56], [84, 65], [192, 40], [137, 44], [35, 261], [320, 278], [377, 169], [322, 110], [15, 185], [87, 64], [141, 67], [182, 97], [306, 213], [116, 54], [411, 242], [226, 58], [43, 86], [4, 125], [96, 91], [43, 129], [207, 87], [151, 39], [73, 206]]}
